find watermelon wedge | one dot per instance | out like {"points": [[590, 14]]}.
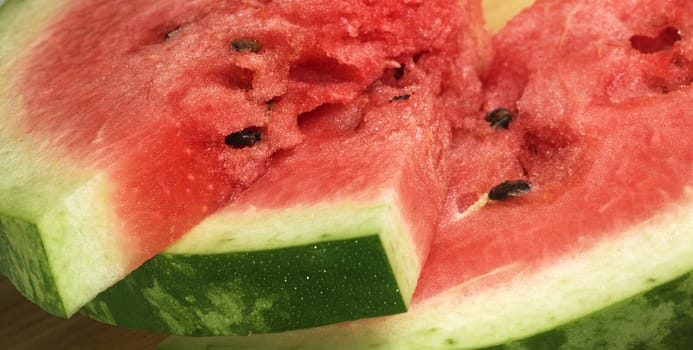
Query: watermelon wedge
{"points": [[255, 112], [599, 253], [335, 210]]}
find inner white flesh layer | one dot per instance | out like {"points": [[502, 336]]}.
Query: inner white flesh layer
{"points": [[253, 229]]}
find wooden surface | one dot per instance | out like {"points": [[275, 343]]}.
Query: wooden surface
{"points": [[24, 326]]}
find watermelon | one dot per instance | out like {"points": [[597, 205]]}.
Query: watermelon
{"points": [[599, 252], [588, 101], [334, 133]]}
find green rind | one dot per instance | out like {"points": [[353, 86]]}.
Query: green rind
{"points": [[255, 292], [248, 270], [65, 256], [248, 228], [660, 319], [20, 246]]}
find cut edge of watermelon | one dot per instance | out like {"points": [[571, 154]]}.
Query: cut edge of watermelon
{"points": [[532, 301], [310, 224], [35, 261], [299, 265]]}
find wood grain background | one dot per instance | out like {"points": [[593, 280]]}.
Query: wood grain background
{"points": [[24, 326]]}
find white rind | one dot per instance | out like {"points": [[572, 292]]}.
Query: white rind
{"points": [[24, 166], [84, 254], [236, 230]]}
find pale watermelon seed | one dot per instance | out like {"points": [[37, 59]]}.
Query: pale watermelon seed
{"points": [[171, 33]]}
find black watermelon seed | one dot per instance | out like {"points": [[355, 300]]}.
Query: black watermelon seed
{"points": [[246, 44], [499, 118], [507, 189], [401, 97], [399, 72], [244, 138]]}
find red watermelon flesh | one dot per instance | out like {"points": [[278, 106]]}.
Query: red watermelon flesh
{"points": [[163, 141], [394, 136], [599, 130]]}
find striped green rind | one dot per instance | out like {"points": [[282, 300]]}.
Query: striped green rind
{"points": [[20, 245], [615, 281], [660, 319], [255, 292], [259, 271]]}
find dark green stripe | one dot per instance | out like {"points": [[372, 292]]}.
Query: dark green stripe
{"points": [[255, 292]]}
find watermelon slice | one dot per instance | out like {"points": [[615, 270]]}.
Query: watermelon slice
{"points": [[599, 131], [255, 112], [333, 211]]}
